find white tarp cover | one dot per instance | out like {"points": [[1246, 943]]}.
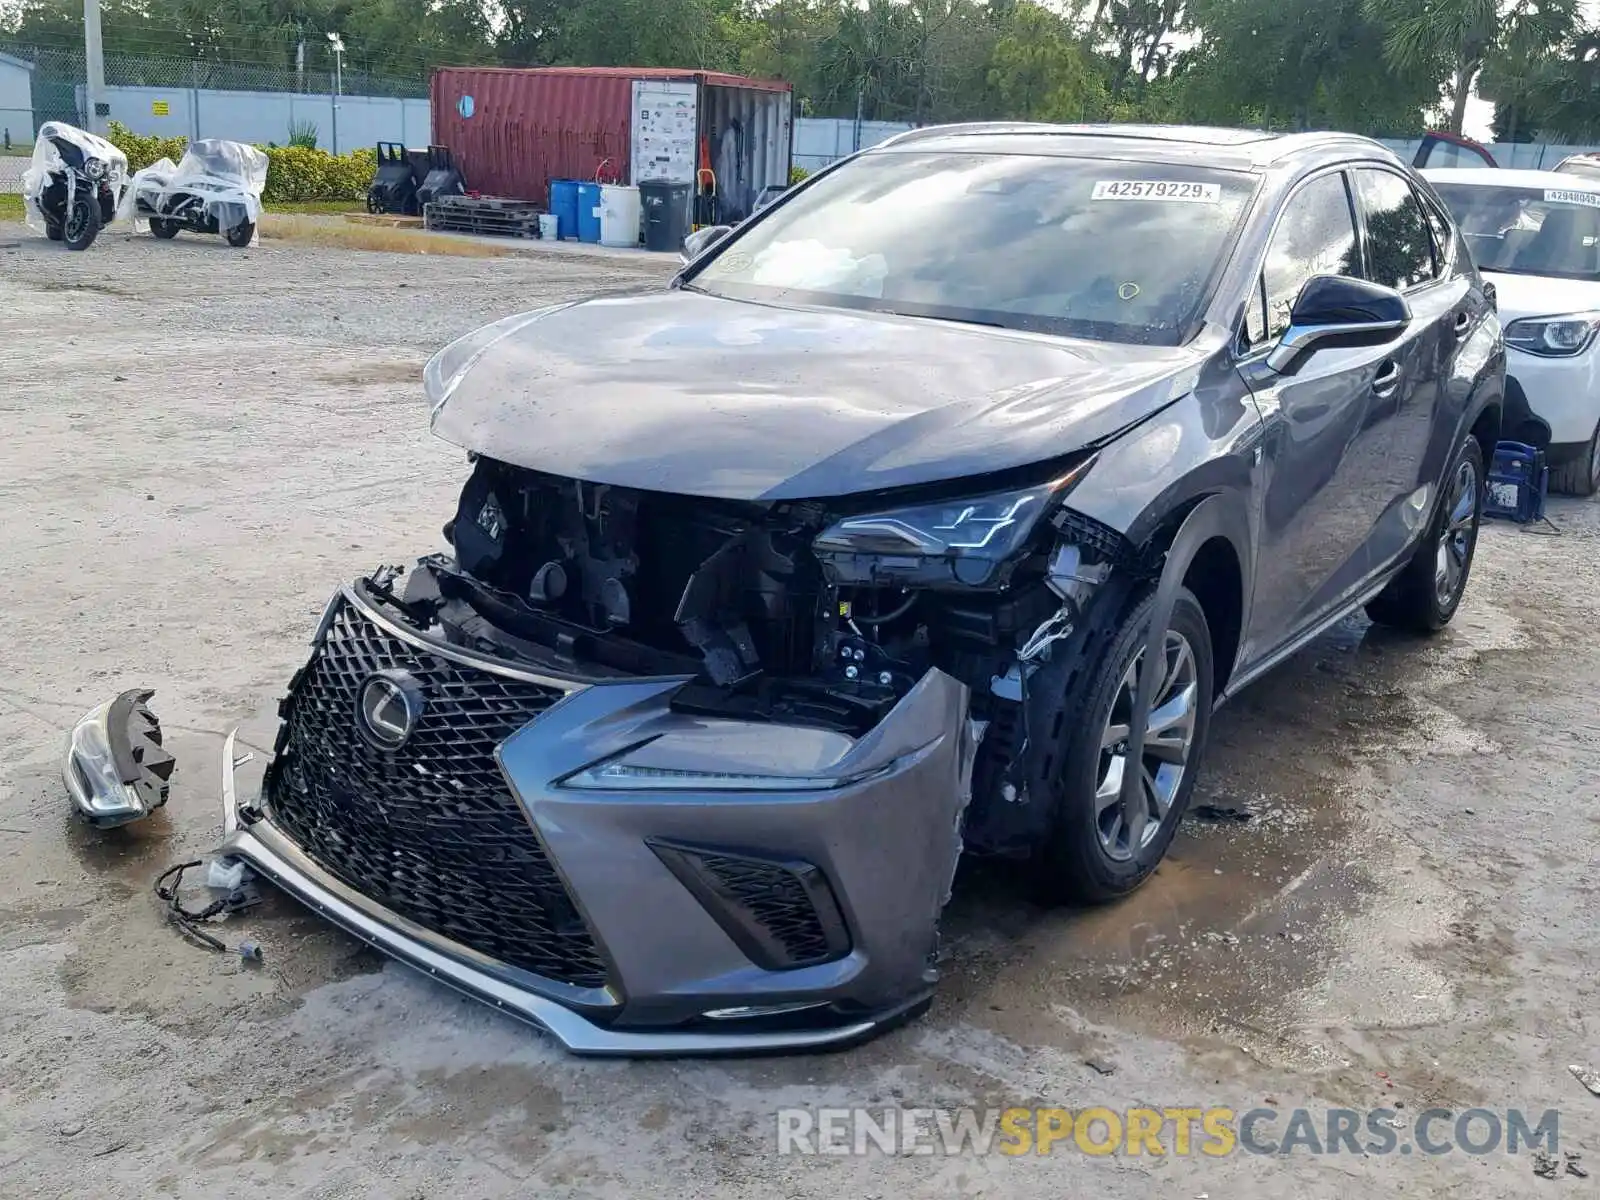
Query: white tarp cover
{"points": [[48, 160], [227, 177]]}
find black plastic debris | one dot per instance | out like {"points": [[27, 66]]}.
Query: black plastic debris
{"points": [[144, 764]]}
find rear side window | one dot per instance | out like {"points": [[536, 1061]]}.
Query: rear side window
{"points": [[1315, 236], [1399, 247]]}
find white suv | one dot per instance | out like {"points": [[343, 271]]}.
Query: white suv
{"points": [[1536, 236]]}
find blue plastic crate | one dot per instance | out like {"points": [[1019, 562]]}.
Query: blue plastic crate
{"points": [[1517, 485]]}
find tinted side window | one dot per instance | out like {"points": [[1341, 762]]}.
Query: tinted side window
{"points": [[1316, 236], [1399, 252], [1443, 237]]}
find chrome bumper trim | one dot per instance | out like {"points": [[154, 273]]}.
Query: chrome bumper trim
{"points": [[322, 893]]}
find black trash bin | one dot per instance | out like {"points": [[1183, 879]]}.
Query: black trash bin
{"points": [[666, 214]]}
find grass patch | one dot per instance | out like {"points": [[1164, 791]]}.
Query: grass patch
{"points": [[316, 207], [10, 206], [308, 231]]}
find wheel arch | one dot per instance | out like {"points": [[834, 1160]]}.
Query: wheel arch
{"points": [[1205, 546]]}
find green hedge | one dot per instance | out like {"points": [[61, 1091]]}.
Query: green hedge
{"points": [[295, 174]]}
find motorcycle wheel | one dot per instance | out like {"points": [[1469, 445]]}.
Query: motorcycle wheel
{"points": [[83, 223], [163, 228], [52, 230], [239, 236]]}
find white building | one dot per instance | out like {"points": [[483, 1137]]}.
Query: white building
{"points": [[16, 102]]}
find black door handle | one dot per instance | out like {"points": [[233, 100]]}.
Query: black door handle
{"points": [[1387, 379], [1463, 323]]}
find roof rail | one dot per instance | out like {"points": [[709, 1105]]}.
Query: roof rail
{"points": [[974, 127]]}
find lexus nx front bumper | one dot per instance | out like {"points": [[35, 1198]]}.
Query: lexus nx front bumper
{"points": [[632, 879]]}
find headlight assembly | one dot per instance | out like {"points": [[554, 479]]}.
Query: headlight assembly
{"points": [[965, 539], [1554, 337], [94, 168]]}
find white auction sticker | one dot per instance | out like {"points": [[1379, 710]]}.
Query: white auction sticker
{"points": [[1562, 196], [1157, 189]]}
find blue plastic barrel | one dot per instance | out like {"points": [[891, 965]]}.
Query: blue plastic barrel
{"points": [[588, 212], [564, 203]]}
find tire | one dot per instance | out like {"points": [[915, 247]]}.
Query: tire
{"points": [[163, 228], [1581, 476], [52, 230], [83, 223], [239, 236], [1425, 595], [1082, 860]]}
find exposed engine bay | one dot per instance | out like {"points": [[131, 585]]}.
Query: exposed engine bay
{"points": [[794, 612]]}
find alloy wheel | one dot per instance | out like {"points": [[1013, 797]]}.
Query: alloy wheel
{"points": [[1168, 742], [1456, 539]]}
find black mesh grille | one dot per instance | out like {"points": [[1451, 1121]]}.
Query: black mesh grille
{"points": [[430, 831], [775, 900]]}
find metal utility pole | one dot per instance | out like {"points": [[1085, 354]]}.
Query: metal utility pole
{"points": [[337, 43], [94, 68]]}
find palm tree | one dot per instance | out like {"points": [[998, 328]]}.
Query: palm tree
{"points": [[1455, 38]]}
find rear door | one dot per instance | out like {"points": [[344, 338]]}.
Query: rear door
{"points": [[1403, 249], [1322, 456]]}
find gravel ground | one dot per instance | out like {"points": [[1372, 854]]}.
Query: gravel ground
{"points": [[202, 443]]}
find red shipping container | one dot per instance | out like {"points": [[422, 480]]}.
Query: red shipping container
{"points": [[514, 130]]}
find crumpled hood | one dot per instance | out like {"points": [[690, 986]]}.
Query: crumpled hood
{"points": [[692, 394]]}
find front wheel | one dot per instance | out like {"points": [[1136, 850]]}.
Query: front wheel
{"points": [[1427, 592], [239, 236], [83, 223], [52, 230], [1101, 847], [163, 228], [1581, 475]]}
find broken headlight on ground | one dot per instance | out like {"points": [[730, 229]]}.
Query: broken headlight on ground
{"points": [[116, 769]]}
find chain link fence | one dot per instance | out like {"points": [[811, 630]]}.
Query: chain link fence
{"points": [[59, 74]]}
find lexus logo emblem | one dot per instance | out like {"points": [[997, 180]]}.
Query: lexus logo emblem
{"points": [[388, 708]]}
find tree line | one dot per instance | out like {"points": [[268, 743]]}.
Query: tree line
{"points": [[1370, 66]]}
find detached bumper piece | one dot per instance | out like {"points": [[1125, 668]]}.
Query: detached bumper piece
{"points": [[633, 879], [116, 770]]}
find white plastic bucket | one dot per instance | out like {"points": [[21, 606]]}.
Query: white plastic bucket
{"points": [[549, 227], [619, 216]]}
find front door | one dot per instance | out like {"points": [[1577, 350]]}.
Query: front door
{"points": [[1326, 479]]}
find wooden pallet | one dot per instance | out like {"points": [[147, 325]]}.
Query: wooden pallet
{"points": [[384, 220], [483, 215]]}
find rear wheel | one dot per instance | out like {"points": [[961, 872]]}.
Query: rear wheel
{"points": [[1101, 847], [239, 236], [83, 223], [1427, 592], [163, 228], [1580, 476], [52, 229]]}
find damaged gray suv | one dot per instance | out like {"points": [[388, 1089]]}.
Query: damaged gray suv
{"points": [[933, 509]]}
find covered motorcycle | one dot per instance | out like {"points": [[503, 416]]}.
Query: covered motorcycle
{"points": [[74, 185], [215, 188]]}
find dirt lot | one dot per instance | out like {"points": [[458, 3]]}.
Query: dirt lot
{"points": [[201, 443]]}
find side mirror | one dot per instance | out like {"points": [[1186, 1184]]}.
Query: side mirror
{"points": [[1336, 310], [701, 240]]}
